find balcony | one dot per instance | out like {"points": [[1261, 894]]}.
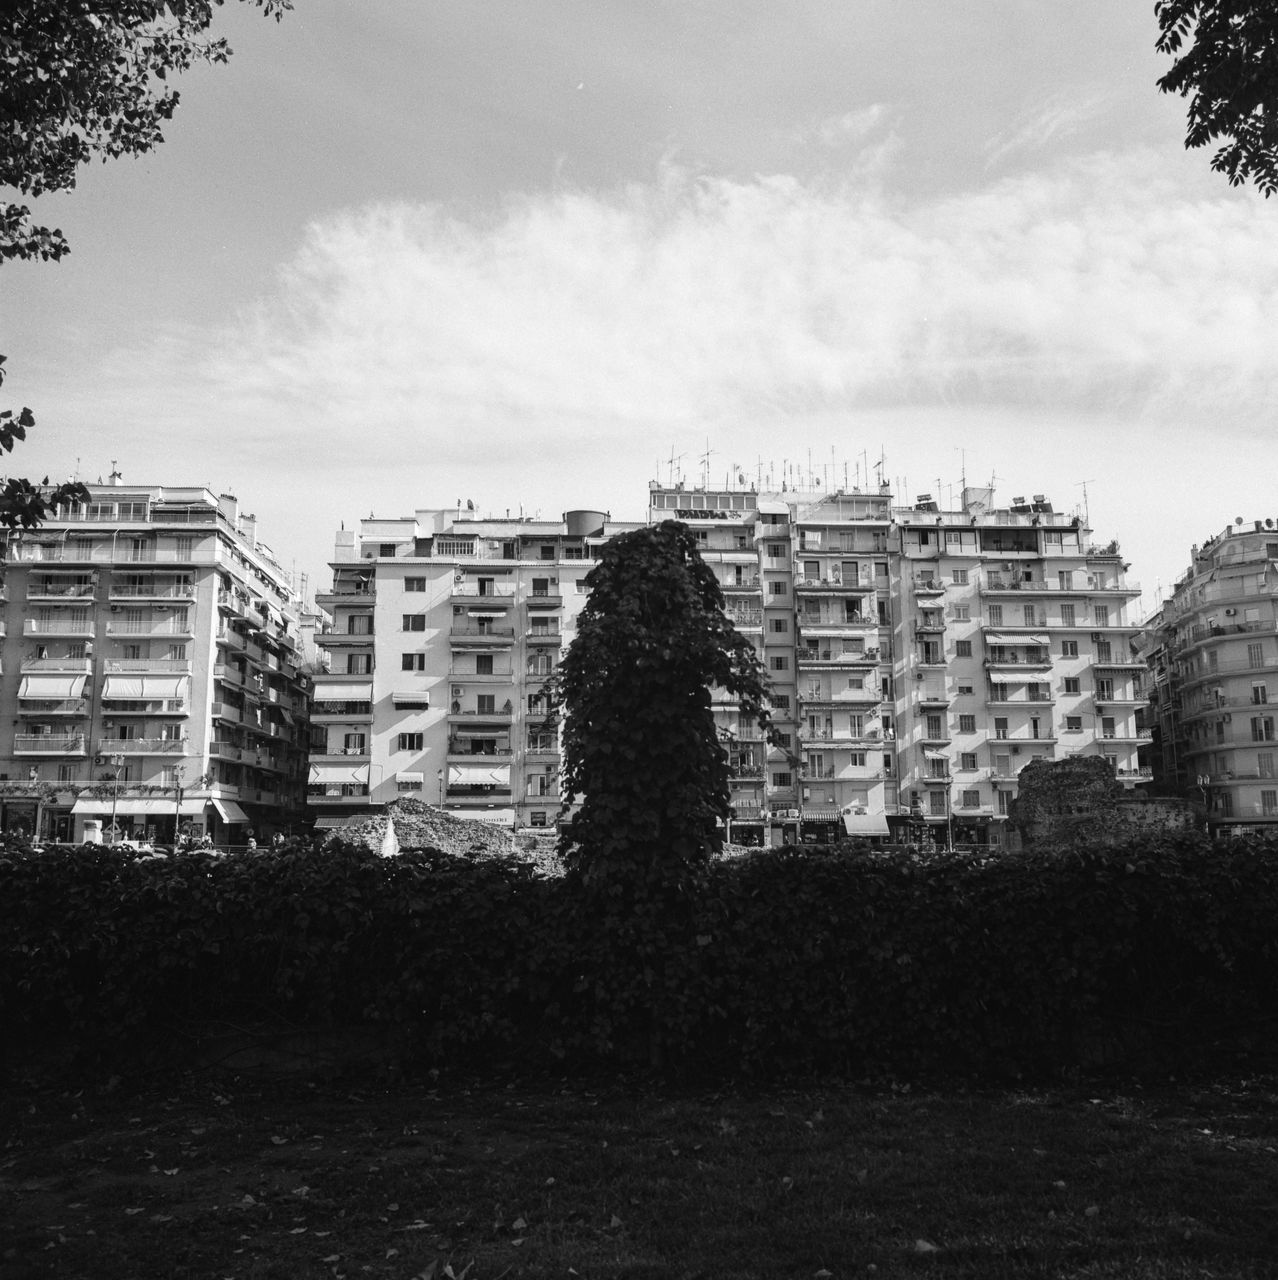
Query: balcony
{"points": [[544, 599], [153, 666], [225, 751], [344, 594], [76, 627], [832, 586], [470, 635], [151, 591], [334, 793], [747, 582], [1078, 585], [746, 619], [176, 628], [54, 706], [541, 636], [498, 595], [927, 586], [832, 657], [80, 666], [142, 746], [1030, 660], [53, 589], [49, 744], [230, 638]]}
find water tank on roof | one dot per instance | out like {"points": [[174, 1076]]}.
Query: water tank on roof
{"points": [[584, 524]]}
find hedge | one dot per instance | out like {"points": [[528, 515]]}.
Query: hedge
{"points": [[1160, 953]]}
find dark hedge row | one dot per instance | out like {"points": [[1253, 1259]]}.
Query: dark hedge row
{"points": [[1163, 952]]}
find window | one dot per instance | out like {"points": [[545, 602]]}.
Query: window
{"points": [[781, 702], [996, 615], [1073, 724], [486, 704], [959, 577], [857, 759], [1030, 617], [412, 662], [483, 664], [1069, 648], [541, 586], [175, 653], [779, 662], [1073, 684], [962, 648], [1255, 655], [784, 740], [1265, 763], [581, 588], [414, 622], [359, 624], [967, 724], [1269, 804], [408, 784], [409, 742], [776, 551], [888, 764], [541, 785], [1067, 615], [359, 664], [547, 551], [1262, 728], [1107, 726], [385, 548], [967, 760], [541, 740], [782, 779], [999, 693], [354, 744], [971, 799], [962, 613], [776, 588], [780, 625], [537, 818], [1259, 693], [414, 584], [936, 803], [967, 688], [935, 729], [1000, 726]]}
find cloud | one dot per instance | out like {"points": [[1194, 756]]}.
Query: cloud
{"points": [[708, 300], [1055, 121]]}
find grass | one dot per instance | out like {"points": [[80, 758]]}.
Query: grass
{"points": [[208, 1176]]}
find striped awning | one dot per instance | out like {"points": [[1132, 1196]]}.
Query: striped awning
{"points": [[339, 773], [471, 775], [145, 688], [865, 824], [348, 691], [51, 686]]}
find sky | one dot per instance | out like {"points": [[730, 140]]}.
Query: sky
{"points": [[536, 253]]}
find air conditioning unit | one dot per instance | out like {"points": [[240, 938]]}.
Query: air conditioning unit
{"points": [[1016, 751], [1096, 636], [1229, 613], [458, 690]]}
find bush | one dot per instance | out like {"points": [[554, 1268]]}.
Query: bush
{"points": [[786, 960]]}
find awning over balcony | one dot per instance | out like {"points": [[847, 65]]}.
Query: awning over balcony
{"points": [[865, 824], [350, 691], [51, 686], [474, 775], [407, 698], [1005, 638], [343, 773], [417, 778], [131, 805], [228, 810], [771, 507], [147, 688], [935, 755]]}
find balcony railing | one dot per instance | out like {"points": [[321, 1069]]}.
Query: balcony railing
{"points": [[49, 744], [156, 666], [57, 627], [37, 590], [142, 746]]}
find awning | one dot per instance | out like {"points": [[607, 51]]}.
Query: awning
{"points": [[286, 715], [771, 507], [408, 699], [344, 773], [1000, 637], [935, 755], [821, 815], [484, 613], [418, 778], [865, 824], [351, 691], [472, 775], [228, 810], [329, 822], [131, 805], [51, 686], [148, 688]]}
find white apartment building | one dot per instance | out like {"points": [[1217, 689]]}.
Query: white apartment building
{"points": [[445, 628], [1213, 651], [149, 672]]}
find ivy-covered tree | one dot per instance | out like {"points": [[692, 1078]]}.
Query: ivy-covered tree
{"points": [[641, 750], [1226, 55], [24, 505]]}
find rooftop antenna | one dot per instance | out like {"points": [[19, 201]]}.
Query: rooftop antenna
{"points": [[1087, 519], [674, 460], [705, 465]]}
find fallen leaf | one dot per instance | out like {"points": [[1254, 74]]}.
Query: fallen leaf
{"points": [[1092, 1210], [332, 1257], [925, 1246], [519, 1225], [787, 1183], [298, 1231], [277, 1140], [616, 1221], [131, 1212]]}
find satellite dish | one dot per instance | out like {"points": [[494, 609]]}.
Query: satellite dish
{"points": [[1238, 519]]}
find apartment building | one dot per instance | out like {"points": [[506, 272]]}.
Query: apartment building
{"points": [[1212, 650], [445, 628], [149, 672], [920, 658]]}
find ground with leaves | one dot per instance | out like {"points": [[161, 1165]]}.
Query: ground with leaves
{"points": [[226, 1176]]}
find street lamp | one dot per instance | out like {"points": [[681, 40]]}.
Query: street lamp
{"points": [[439, 774], [117, 763], [177, 808], [33, 776]]}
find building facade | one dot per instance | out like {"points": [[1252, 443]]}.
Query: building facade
{"points": [[919, 659], [445, 628], [1212, 650], [150, 676]]}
